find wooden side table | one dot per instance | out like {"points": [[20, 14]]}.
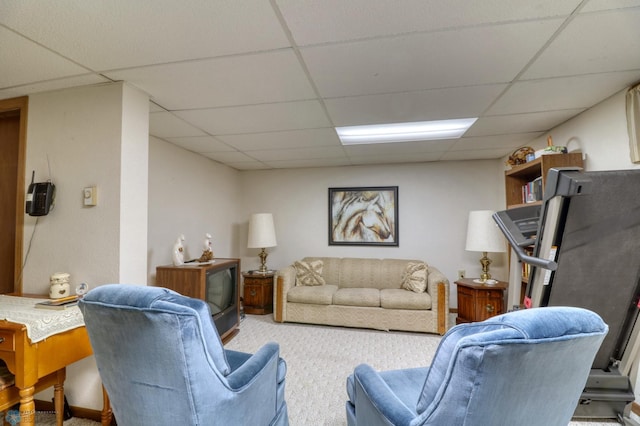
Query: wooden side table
{"points": [[478, 301], [258, 293]]}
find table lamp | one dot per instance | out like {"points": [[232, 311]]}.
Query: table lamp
{"points": [[483, 235], [262, 235]]}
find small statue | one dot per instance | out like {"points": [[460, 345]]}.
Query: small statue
{"points": [[178, 251], [207, 253]]}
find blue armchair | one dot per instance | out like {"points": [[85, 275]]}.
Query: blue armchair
{"points": [[162, 362], [526, 367]]}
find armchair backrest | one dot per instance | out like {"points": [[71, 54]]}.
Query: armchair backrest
{"points": [[154, 342], [517, 368]]}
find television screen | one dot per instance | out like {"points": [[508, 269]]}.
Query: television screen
{"points": [[220, 290]]}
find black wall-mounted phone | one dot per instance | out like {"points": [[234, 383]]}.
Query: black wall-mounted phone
{"points": [[40, 198]]}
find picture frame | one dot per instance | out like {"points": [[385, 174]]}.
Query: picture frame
{"points": [[363, 216]]}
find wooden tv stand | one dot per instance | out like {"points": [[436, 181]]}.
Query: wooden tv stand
{"points": [[191, 280]]}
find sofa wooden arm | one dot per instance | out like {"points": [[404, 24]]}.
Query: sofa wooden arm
{"points": [[438, 288]]}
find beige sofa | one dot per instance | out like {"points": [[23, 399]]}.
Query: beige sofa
{"points": [[366, 293]]}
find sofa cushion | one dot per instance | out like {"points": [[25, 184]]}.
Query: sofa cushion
{"points": [[414, 277], [357, 297], [309, 273], [315, 295], [397, 298], [330, 268]]}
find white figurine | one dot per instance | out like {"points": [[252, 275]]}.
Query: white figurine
{"points": [[207, 253], [178, 251], [206, 246]]}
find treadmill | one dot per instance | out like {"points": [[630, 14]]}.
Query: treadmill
{"points": [[586, 253]]}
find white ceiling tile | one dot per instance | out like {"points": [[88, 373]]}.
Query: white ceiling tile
{"points": [[598, 5], [506, 143], [297, 154], [436, 104], [200, 144], [56, 84], [124, 33], [480, 154], [167, 125], [592, 43], [231, 157], [235, 80], [258, 118], [479, 55], [248, 165], [302, 164], [391, 149], [561, 93], [280, 140], [23, 61], [314, 22], [520, 123], [399, 157]]}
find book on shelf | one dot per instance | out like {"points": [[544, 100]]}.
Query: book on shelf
{"points": [[58, 304], [532, 191]]}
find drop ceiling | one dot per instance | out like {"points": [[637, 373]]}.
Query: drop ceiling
{"points": [[259, 84]]}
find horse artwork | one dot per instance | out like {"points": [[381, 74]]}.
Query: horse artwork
{"points": [[363, 216]]}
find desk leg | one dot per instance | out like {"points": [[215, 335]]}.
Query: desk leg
{"points": [[58, 396], [27, 406], [106, 409]]}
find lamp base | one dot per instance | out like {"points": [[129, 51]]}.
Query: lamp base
{"points": [[485, 262], [263, 262]]}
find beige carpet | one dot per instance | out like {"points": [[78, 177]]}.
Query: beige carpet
{"points": [[319, 359]]}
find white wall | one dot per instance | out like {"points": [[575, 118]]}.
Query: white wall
{"points": [[434, 202], [191, 195], [79, 133], [601, 133]]}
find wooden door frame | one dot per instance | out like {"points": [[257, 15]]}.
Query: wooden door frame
{"points": [[21, 104]]}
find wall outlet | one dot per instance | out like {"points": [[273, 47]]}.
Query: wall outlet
{"points": [[461, 273]]}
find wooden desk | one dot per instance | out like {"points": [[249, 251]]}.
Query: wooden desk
{"points": [[38, 366]]}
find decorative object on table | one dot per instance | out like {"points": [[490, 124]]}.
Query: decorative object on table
{"points": [[207, 253], [178, 251], [58, 304], [82, 289], [59, 285], [633, 122], [363, 216], [519, 156], [483, 235], [262, 235]]}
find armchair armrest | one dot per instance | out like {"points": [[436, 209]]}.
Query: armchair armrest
{"points": [[284, 280], [245, 367], [438, 288], [375, 402]]}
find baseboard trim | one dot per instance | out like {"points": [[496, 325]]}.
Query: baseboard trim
{"points": [[79, 412]]}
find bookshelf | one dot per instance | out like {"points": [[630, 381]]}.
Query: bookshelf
{"points": [[519, 177], [523, 174]]}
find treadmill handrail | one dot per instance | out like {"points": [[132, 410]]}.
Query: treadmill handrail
{"points": [[522, 255]]}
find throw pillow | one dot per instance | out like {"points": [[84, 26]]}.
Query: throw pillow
{"points": [[414, 277], [309, 273]]}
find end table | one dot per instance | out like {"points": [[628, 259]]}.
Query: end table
{"points": [[479, 301], [258, 292]]}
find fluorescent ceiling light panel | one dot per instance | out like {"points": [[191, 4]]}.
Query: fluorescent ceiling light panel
{"points": [[404, 132]]}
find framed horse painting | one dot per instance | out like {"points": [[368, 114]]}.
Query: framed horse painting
{"points": [[363, 216]]}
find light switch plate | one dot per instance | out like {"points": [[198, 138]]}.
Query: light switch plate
{"points": [[90, 196]]}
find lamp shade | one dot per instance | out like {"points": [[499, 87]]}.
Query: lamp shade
{"points": [[483, 233], [262, 233]]}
